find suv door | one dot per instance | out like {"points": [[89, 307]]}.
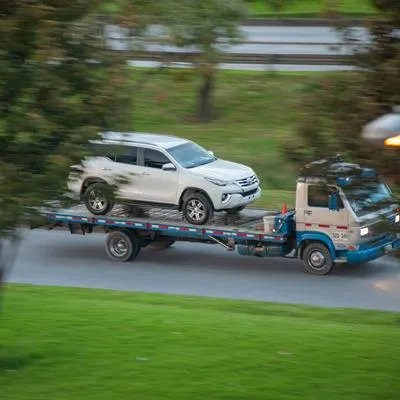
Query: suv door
{"points": [[155, 184], [126, 168]]}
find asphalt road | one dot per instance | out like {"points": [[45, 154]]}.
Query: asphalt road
{"points": [[258, 40], [57, 258], [251, 67]]}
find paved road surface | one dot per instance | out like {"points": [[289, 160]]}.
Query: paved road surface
{"points": [[251, 67], [290, 40], [56, 258]]}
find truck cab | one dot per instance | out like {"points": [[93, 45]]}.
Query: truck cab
{"points": [[348, 210]]}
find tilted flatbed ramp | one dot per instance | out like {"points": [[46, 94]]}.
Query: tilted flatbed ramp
{"points": [[248, 224]]}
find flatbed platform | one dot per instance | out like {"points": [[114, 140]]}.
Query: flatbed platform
{"points": [[247, 224]]}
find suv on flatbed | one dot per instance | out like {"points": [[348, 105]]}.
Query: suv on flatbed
{"points": [[161, 170]]}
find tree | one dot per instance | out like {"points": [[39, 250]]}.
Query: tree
{"points": [[207, 26], [59, 87], [335, 109]]}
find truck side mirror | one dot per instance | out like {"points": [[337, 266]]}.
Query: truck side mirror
{"points": [[333, 202]]}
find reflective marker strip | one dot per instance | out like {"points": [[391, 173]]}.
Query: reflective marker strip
{"points": [[69, 218], [308, 225]]}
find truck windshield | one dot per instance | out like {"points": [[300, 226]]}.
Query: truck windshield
{"points": [[190, 155], [368, 197]]}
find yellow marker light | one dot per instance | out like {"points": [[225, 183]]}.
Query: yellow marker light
{"points": [[393, 141]]}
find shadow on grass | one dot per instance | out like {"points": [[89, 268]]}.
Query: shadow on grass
{"points": [[13, 360]]}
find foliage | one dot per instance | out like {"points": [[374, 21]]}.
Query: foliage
{"points": [[335, 109], [205, 26], [58, 87]]}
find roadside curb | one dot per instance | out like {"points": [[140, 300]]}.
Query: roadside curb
{"points": [[302, 22]]}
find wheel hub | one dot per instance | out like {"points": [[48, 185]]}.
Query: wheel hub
{"points": [[97, 201], [317, 259], [196, 210], [119, 247]]}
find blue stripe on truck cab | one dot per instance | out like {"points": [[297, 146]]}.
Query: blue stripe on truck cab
{"points": [[320, 237]]}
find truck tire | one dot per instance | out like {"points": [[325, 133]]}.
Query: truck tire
{"points": [[161, 244], [197, 209], [98, 198], [122, 246], [317, 259]]}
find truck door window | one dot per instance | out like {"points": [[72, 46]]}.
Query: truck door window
{"points": [[318, 196]]}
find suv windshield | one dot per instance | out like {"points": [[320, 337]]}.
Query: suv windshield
{"points": [[190, 155], [368, 197]]}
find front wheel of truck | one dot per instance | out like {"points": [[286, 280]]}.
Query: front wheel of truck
{"points": [[317, 259]]}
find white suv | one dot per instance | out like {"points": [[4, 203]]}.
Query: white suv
{"points": [[162, 170]]}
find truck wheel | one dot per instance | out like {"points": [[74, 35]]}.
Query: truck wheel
{"points": [[122, 246], [161, 244], [197, 209], [99, 199], [317, 259]]}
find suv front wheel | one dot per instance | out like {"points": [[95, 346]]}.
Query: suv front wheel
{"points": [[98, 198], [197, 209]]}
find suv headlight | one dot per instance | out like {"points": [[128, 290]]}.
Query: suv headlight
{"points": [[364, 231], [397, 219], [218, 182]]}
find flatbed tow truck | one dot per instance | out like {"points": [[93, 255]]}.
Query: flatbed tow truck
{"points": [[339, 214]]}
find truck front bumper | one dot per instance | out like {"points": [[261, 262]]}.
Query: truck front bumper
{"points": [[373, 252]]}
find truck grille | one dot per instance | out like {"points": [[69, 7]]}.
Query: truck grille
{"points": [[246, 182]]}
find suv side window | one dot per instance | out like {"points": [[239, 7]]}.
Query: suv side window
{"points": [[127, 155], [101, 150], [154, 158]]}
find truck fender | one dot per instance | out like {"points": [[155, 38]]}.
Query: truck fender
{"points": [[303, 238]]}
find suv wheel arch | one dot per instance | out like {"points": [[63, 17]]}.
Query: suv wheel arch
{"points": [[193, 190], [90, 181]]}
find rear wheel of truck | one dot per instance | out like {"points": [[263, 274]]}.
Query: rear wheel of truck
{"points": [[122, 246], [317, 259]]}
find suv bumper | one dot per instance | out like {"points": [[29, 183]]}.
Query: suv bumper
{"points": [[371, 253], [237, 200]]}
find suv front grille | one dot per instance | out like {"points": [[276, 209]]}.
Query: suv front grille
{"points": [[246, 182], [250, 192]]}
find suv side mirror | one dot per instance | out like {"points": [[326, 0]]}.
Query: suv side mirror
{"points": [[168, 167], [333, 202]]}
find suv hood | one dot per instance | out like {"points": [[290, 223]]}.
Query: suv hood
{"points": [[221, 169]]}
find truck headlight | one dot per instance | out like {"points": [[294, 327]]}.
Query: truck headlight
{"points": [[364, 231], [397, 219]]}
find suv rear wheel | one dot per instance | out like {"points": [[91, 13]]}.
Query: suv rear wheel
{"points": [[98, 198], [197, 209]]}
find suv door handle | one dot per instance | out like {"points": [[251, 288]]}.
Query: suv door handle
{"points": [[144, 173], [106, 169], [308, 212]]}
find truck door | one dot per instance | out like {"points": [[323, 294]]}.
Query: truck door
{"points": [[318, 218]]}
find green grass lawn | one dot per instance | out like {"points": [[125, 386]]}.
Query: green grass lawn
{"points": [[294, 9], [257, 114], [61, 343], [311, 8]]}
